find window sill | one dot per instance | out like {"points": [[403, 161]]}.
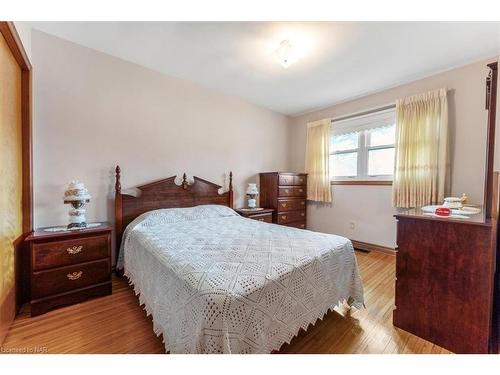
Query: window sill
{"points": [[362, 182]]}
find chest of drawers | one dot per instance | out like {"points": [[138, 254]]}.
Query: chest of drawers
{"points": [[286, 193], [444, 281], [66, 267]]}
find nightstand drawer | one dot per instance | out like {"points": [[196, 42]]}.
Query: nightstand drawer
{"points": [[267, 217], [291, 216], [291, 204], [64, 253], [289, 191], [46, 283]]}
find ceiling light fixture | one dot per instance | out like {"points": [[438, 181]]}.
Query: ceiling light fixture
{"points": [[286, 54]]}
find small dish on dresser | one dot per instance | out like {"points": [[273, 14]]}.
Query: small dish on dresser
{"points": [[65, 229], [466, 210], [452, 202], [452, 216]]}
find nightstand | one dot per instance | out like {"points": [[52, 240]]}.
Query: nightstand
{"points": [[265, 214], [67, 266]]}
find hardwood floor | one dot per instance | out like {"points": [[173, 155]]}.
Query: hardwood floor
{"points": [[117, 324]]}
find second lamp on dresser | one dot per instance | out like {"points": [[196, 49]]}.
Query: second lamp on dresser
{"points": [[286, 193]]}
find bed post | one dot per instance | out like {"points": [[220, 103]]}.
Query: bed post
{"points": [[118, 212], [230, 189]]}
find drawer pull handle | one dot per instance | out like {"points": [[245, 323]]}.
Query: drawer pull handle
{"points": [[302, 225], [301, 190], [283, 217], [301, 180], [74, 249], [302, 214], [283, 205], [287, 191], [261, 219], [75, 275], [302, 203]]}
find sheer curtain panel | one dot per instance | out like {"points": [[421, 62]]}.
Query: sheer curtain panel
{"points": [[317, 161], [421, 174]]}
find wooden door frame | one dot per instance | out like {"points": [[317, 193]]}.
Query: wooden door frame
{"points": [[16, 295], [491, 106], [9, 32]]}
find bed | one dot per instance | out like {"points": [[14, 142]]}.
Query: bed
{"points": [[215, 282]]}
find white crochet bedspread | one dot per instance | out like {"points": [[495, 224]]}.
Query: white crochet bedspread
{"points": [[216, 282]]}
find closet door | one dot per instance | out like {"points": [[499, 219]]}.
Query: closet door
{"points": [[11, 179]]}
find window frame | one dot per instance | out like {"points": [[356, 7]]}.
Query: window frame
{"points": [[362, 124]]}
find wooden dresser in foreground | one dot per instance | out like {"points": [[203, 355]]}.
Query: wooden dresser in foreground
{"points": [[286, 193], [66, 267], [445, 271]]}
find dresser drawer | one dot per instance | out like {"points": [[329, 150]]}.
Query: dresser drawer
{"points": [[60, 280], [291, 179], [267, 217], [291, 204], [292, 191], [296, 224], [291, 216], [286, 179], [300, 180], [63, 253]]}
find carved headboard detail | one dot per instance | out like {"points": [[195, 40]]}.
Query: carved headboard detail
{"points": [[165, 194]]}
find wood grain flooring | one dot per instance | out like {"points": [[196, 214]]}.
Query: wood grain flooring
{"points": [[117, 324]]}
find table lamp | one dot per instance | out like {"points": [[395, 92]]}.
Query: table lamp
{"points": [[252, 192], [77, 195]]}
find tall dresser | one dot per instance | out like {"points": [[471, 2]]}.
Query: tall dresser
{"points": [[286, 193]]}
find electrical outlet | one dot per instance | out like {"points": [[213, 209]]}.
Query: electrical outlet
{"points": [[352, 225]]}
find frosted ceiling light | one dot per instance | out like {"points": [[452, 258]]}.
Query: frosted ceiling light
{"points": [[286, 54]]}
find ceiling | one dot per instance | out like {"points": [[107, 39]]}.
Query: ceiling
{"points": [[342, 60]]}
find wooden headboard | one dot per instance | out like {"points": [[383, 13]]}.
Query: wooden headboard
{"points": [[165, 194]]}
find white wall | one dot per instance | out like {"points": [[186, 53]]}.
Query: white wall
{"points": [[370, 206], [24, 31], [93, 111]]}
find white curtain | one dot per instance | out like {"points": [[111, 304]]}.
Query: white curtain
{"points": [[421, 172], [317, 161]]}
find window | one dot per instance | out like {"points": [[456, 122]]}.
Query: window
{"points": [[362, 147]]}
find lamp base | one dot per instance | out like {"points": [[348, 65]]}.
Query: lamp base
{"points": [[77, 217], [252, 204]]}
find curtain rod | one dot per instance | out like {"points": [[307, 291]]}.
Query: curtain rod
{"points": [[366, 112]]}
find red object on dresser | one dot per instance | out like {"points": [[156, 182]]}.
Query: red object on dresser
{"points": [[443, 211]]}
